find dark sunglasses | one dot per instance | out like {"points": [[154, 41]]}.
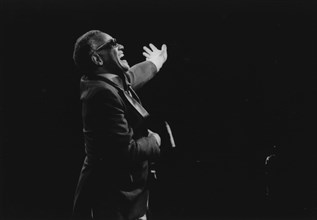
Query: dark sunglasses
{"points": [[108, 45]]}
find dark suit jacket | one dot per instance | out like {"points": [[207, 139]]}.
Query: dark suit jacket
{"points": [[118, 148]]}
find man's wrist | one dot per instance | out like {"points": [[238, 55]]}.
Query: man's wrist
{"points": [[156, 64]]}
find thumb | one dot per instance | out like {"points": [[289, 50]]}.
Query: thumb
{"points": [[164, 47], [164, 51]]}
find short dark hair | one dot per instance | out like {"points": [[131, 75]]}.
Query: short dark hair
{"points": [[83, 48]]}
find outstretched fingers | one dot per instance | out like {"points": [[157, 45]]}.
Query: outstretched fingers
{"points": [[147, 49], [146, 55], [153, 47]]}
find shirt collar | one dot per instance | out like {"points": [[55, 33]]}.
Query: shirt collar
{"points": [[116, 80]]}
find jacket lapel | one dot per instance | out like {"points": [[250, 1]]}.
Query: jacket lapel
{"points": [[127, 93]]}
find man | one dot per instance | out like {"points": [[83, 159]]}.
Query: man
{"points": [[113, 182]]}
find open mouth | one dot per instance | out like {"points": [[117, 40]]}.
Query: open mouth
{"points": [[121, 56], [122, 59]]}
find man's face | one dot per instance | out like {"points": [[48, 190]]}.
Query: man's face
{"points": [[112, 53]]}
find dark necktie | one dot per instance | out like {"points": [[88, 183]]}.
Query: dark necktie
{"points": [[135, 101]]}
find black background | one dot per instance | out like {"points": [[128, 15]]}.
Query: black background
{"points": [[240, 79]]}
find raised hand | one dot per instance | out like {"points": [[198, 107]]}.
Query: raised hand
{"points": [[158, 57]]}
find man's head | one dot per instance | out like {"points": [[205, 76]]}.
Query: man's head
{"points": [[97, 52]]}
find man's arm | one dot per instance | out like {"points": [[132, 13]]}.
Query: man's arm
{"points": [[142, 72]]}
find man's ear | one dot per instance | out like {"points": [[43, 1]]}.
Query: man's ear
{"points": [[96, 59]]}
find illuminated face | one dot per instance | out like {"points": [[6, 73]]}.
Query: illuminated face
{"points": [[112, 53]]}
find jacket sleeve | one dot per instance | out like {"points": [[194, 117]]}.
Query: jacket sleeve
{"points": [[141, 73], [112, 133]]}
